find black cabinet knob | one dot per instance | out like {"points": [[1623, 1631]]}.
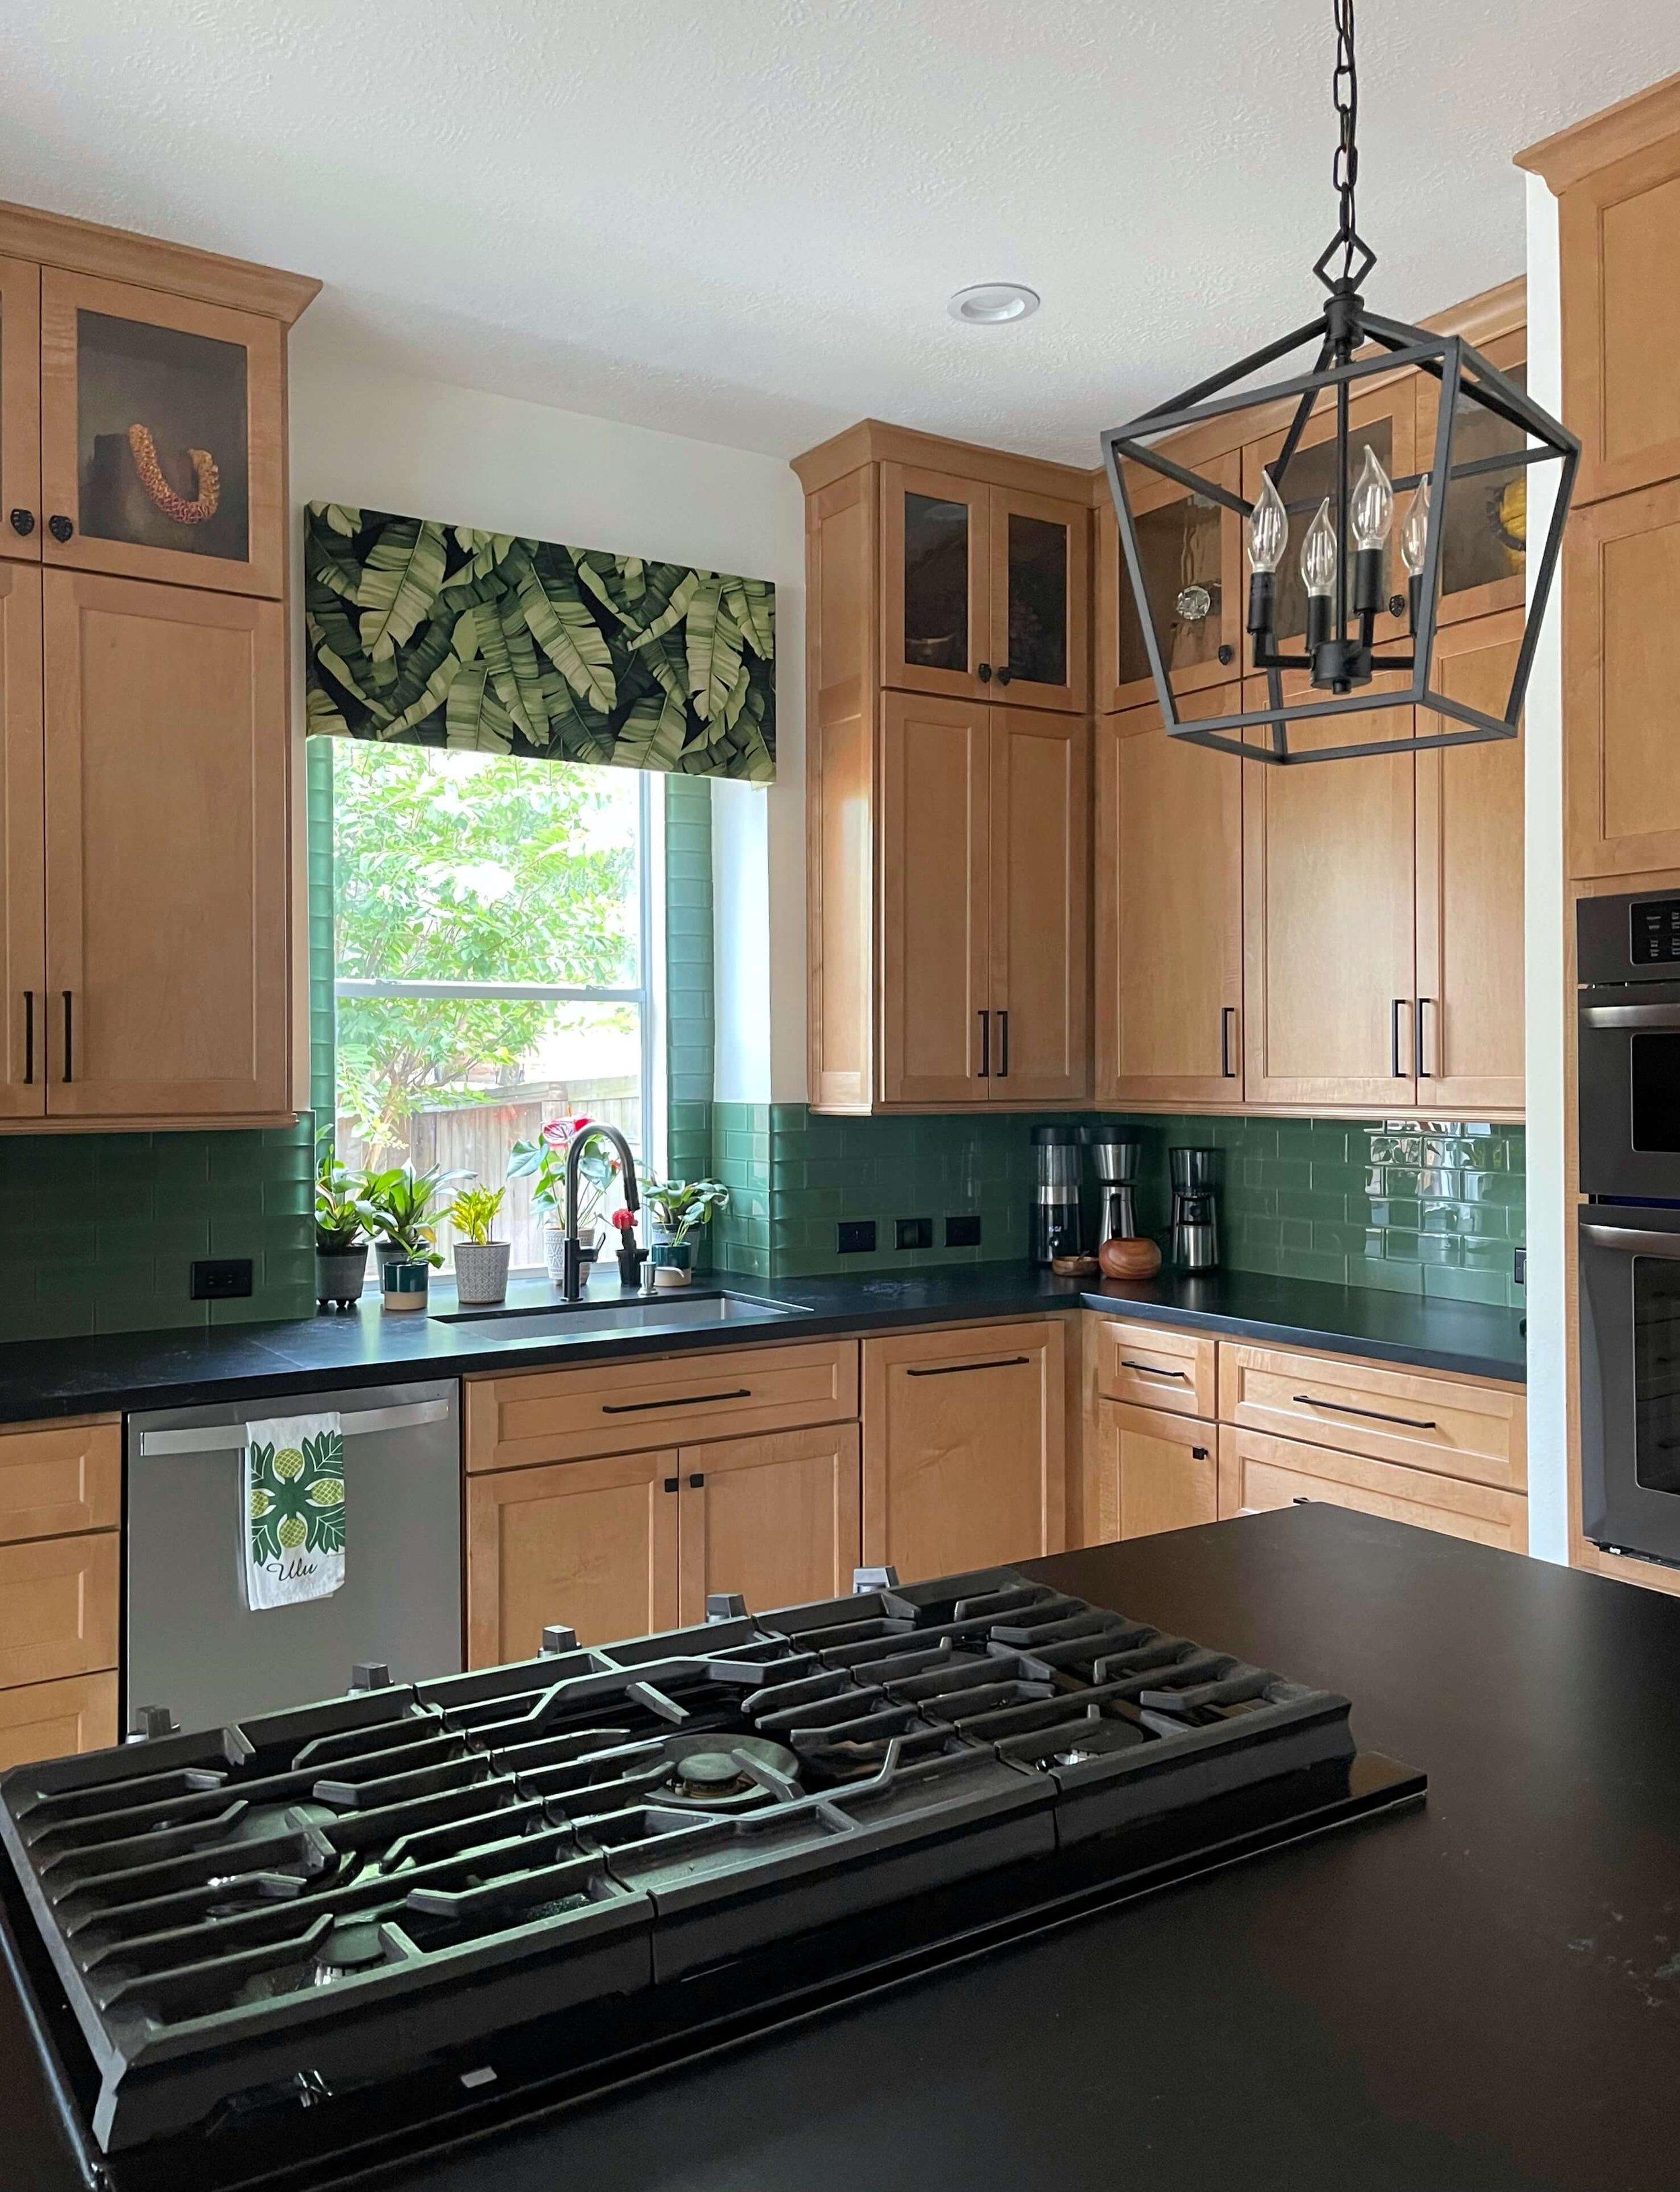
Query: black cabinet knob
{"points": [[1396, 605], [60, 527], [1005, 675], [982, 670], [23, 522], [1227, 654]]}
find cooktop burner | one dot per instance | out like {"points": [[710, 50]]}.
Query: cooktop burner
{"points": [[321, 1902]]}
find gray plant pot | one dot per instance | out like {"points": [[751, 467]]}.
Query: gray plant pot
{"points": [[339, 1277], [481, 1271]]}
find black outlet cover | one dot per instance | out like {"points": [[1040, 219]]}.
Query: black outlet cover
{"points": [[224, 1279], [913, 1233], [1520, 1267], [963, 1232], [855, 1236]]}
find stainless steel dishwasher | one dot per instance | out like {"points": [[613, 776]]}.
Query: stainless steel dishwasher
{"points": [[192, 1644]]}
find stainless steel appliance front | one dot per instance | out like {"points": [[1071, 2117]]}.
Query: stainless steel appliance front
{"points": [[192, 1644], [1630, 1379], [1628, 1017]]}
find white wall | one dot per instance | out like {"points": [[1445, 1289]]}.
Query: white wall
{"points": [[361, 435], [1548, 1216]]}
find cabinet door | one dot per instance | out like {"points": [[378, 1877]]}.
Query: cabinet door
{"points": [[1329, 915], [1040, 846], [936, 583], [1168, 911], [23, 939], [1622, 359], [963, 1447], [1154, 1471], [167, 884], [1193, 564], [593, 1543], [1039, 585], [52, 1720], [777, 1519], [1257, 1471], [58, 1607], [1483, 550], [162, 448], [20, 527], [937, 1034], [1621, 699], [1470, 886]]}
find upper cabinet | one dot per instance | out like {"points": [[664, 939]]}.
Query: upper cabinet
{"points": [[1484, 546], [983, 588], [1191, 550], [20, 529]]}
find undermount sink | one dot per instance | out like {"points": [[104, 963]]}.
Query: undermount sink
{"points": [[678, 1309]]}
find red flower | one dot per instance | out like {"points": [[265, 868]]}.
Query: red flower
{"points": [[623, 1220]]}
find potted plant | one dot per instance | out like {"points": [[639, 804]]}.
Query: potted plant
{"points": [[629, 1256], [480, 1264], [544, 1161], [342, 1222], [401, 1201], [680, 1208]]}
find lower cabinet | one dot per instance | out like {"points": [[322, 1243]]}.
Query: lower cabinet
{"points": [[49, 1720], [964, 1440], [1257, 1471], [1155, 1470], [633, 1545]]}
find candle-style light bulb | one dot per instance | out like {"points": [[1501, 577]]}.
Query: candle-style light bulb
{"points": [[1318, 555], [1414, 533], [1371, 509], [1268, 528]]}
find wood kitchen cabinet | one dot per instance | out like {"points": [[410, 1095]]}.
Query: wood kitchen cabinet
{"points": [[1483, 547], [20, 527], [1168, 921], [1154, 1470], [1192, 549], [23, 939], [51, 1720], [964, 1440], [1257, 1471], [777, 1519]]}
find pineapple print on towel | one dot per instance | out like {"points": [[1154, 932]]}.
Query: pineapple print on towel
{"points": [[293, 1513]]}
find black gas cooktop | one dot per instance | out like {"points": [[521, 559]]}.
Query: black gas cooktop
{"points": [[297, 1944]]}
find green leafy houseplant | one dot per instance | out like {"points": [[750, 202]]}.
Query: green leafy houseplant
{"points": [[402, 1202], [480, 1264], [680, 1208], [473, 1211], [343, 1219]]}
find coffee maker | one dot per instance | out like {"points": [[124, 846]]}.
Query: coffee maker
{"points": [[1115, 1161], [1055, 1195], [1194, 1245]]}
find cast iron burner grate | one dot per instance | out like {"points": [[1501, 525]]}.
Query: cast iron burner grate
{"points": [[314, 1903]]}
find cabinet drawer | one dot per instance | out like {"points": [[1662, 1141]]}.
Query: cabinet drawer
{"points": [[1448, 1424], [616, 1407], [58, 1478], [1257, 1471], [1156, 1366], [51, 1720], [58, 1607], [1154, 1471]]}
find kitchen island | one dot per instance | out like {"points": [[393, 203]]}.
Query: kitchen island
{"points": [[1482, 1993]]}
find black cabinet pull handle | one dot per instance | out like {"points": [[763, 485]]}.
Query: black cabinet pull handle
{"points": [[985, 1045], [670, 1484], [1376, 1415], [69, 1040], [60, 527], [1005, 675], [28, 1036], [1423, 1072], [23, 522], [1228, 1015], [1150, 1371], [696, 1482], [951, 1369], [673, 1401], [1003, 1045], [982, 670], [1394, 1066]]}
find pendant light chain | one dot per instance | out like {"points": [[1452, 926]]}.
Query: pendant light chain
{"points": [[1358, 258]]}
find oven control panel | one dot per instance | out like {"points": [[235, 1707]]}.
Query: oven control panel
{"points": [[1654, 925]]}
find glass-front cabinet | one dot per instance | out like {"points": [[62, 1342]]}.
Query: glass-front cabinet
{"points": [[983, 591], [1484, 549], [161, 437], [1191, 547], [20, 409]]}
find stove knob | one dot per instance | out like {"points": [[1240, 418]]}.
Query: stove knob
{"points": [[370, 1675], [557, 1638], [151, 1721]]}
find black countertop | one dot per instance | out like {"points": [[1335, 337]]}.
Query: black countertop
{"points": [[138, 1370], [1478, 1996]]}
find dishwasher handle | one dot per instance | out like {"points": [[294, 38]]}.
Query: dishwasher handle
{"points": [[213, 1438]]}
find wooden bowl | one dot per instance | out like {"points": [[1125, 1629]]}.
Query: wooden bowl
{"points": [[1130, 1259]]}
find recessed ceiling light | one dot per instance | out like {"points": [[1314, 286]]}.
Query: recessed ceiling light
{"points": [[988, 304]]}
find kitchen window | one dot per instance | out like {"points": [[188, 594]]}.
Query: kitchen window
{"points": [[492, 922]]}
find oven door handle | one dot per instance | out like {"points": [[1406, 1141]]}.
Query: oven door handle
{"points": [[1632, 1241], [1630, 1016]]}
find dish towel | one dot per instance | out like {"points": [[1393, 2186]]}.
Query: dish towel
{"points": [[292, 1516]]}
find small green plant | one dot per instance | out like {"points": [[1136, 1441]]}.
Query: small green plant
{"points": [[473, 1212], [544, 1161], [402, 1202], [683, 1206], [343, 1217]]}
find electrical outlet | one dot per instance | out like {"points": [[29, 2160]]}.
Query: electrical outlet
{"points": [[855, 1236], [227, 1278], [963, 1231], [1520, 1267], [913, 1233]]}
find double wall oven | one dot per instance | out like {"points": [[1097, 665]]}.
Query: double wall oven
{"points": [[1628, 1052]]}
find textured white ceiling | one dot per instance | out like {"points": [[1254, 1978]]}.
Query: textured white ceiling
{"points": [[741, 219]]}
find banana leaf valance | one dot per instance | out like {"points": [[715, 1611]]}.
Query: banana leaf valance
{"points": [[444, 635]]}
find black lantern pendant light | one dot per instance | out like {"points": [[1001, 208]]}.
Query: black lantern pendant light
{"points": [[1345, 535]]}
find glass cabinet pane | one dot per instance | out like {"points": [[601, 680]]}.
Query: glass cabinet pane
{"points": [[1180, 544], [1487, 515], [1311, 476], [1038, 599], [160, 437], [935, 582]]}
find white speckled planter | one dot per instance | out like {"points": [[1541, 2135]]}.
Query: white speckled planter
{"points": [[481, 1271]]}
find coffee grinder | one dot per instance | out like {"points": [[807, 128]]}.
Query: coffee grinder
{"points": [[1115, 1162], [1055, 1194], [1195, 1225]]}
